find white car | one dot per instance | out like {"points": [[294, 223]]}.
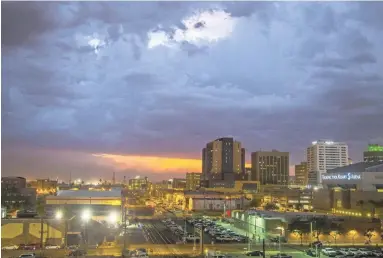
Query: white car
{"points": [[10, 247], [326, 250], [224, 238], [353, 250], [365, 251], [191, 237], [52, 247]]}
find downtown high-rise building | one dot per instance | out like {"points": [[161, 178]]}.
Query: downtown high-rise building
{"points": [[374, 153], [193, 181], [324, 155], [270, 167], [223, 159], [301, 174]]}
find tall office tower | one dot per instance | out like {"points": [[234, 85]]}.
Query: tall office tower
{"points": [[193, 181], [374, 153], [301, 174], [324, 155], [243, 162], [204, 165], [223, 158], [270, 167]]}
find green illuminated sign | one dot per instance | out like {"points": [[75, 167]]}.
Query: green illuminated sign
{"points": [[375, 147]]}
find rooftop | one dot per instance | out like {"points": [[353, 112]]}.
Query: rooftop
{"points": [[87, 193], [357, 167]]}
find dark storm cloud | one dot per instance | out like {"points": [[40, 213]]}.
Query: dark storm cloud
{"points": [[164, 78], [23, 21]]}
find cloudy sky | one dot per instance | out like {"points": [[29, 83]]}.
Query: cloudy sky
{"points": [[138, 88]]}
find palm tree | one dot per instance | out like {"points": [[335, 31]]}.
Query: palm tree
{"points": [[40, 208]]}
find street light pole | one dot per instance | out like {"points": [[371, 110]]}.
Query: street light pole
{"points": [[185, 231], [248, 229]]}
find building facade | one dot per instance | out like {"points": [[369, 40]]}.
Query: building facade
{"points": [[213, 201], [324, 155], [374, 153], [223, 159], [193, 181], [270, 167], [13, 182], [100, 203], [177, 183], [16, 195], [357, 188], [138, 183], [301, 174]]}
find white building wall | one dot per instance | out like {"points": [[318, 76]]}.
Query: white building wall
{"points": [[324, 155], [216, 204]]}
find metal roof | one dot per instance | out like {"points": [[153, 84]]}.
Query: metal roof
{"points": [[357, 167], [87, 193]]}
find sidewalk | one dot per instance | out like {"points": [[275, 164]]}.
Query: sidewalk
{"points": [[235, 229]]}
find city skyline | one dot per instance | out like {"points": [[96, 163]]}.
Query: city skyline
{"points": [[135, 88]]}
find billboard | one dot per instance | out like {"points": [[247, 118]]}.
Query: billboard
{"points": [[342, 176]]}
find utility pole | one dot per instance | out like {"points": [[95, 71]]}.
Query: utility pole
{"points": [[201, 239], [249, 238], [311, 232], [263, 248], [124, 219], [186, 233], [41, 234]]}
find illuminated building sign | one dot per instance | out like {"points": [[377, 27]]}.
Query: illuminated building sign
{"points": [[347, 176]]}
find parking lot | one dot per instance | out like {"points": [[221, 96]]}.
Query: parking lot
{"points": [[190, 231], [346, 252]]}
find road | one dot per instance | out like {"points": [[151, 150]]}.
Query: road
{"points": [[152, 234], [172, 250]]}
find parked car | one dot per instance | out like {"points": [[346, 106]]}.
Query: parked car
{"points": [[10, 247], [29, 246], [254, 253], [27, 255], [377, 253], [353, 251], [77, 253], [365, 252], [311, 252], [326, 250], [332, 253]]}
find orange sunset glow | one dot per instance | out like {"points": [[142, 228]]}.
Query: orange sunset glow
{"points": [[155, 164]]}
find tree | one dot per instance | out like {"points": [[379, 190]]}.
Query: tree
{"points": [[255, 203], [299, 206], [335, 231], [320, 226], [369, 233], [270, 206], [300, 228]]}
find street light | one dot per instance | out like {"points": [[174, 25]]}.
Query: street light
{"points": [[279, 236], [59, 215], [86, 215]]}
